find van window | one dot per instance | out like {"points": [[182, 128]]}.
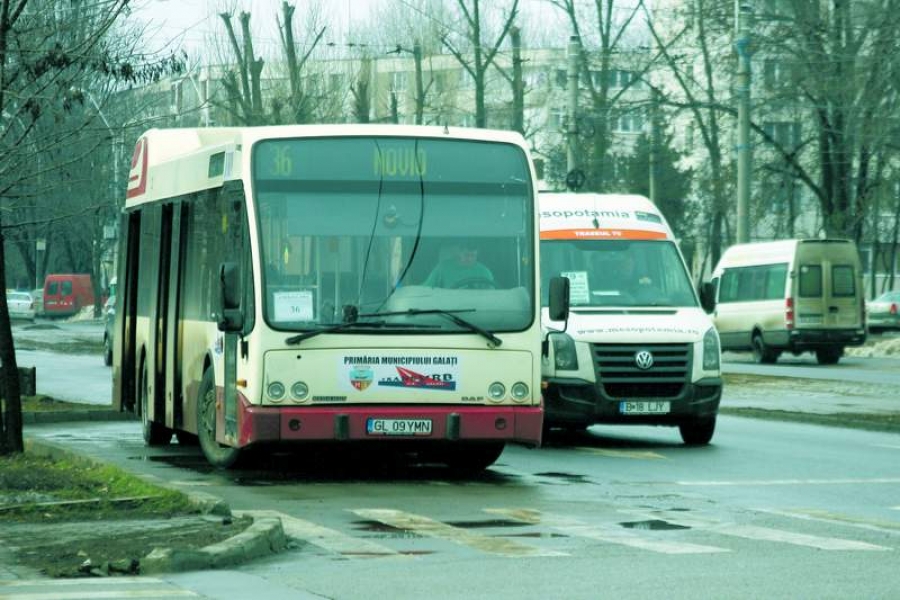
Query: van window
{"points": [[810, 281], [843, 283], [52, 288], [748, 284], [67, 288]]}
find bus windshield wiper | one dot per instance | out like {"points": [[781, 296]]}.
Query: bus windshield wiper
{"points": [[450, 314], [296, 339]]}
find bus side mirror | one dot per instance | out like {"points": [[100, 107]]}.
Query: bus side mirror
{"points": [[231, 319], [708, 296], [559, 299]]}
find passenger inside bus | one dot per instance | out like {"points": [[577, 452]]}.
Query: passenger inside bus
{"points": [[461, 270]]}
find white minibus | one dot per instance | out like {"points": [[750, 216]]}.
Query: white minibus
{"points": [[636, 348], [801, 295]]}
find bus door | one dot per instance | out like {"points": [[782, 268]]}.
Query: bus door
{"points": [[123, 342], [171, 323], [158, 346]]}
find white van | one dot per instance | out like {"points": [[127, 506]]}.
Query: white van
{"points": [[636, 348], [790, 295]]}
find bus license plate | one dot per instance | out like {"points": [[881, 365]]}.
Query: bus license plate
{"points": [[644, 408], [398, 426]]}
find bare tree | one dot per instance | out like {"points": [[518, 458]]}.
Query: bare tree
{"points": [[471, 51], [243, 84], [48, 56]]}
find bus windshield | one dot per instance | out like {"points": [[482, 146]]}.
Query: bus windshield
{"points": [[362, 226], [633, 273]]}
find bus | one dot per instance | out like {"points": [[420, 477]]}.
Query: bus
{"points": [[272, 291]]}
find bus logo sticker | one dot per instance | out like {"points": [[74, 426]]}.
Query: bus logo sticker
{"points": [[410, 379], [361, 377]]}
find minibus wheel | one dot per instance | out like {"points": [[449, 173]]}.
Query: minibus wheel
{"points": [[698, 432]]}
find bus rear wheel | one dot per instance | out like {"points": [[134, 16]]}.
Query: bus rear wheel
{"points": [[472, 458], [155, 434], [220, 456]]}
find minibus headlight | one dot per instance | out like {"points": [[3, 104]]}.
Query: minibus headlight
{"points": [[519, 391], [496, 391], [275, 391], [711, 350], [564, 354]]}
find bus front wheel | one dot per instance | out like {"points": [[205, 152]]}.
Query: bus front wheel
{"points": [[218, 455], [471, 458]]}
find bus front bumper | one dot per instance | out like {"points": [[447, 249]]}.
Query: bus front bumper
{"points": [[515, 424]]}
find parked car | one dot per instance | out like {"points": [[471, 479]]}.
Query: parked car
{"points": [[21, 305], [883, 312], [109, 322]]}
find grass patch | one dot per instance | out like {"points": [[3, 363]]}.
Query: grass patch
{"points": [[43, 403], [889, 422], [54, 489]]}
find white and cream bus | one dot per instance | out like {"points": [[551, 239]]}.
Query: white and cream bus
{"points": [[271, 290]]}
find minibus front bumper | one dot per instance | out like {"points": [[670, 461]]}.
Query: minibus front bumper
{"points": [[514, 424], [577, 402]]}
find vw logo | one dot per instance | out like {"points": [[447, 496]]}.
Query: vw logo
{"points": [[643, 359]]}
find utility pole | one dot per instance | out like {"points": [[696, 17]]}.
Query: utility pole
{"points": [[518, 86], [743, 14], [572, 104], [654, 147]]}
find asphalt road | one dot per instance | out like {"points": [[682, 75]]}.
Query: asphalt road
{"points": [[771, 510]]}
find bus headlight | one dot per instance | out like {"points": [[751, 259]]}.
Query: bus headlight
{"points": [[564, 353], [299, 391], [275, 391], [496, 391], [711, 350], [519, 391]]}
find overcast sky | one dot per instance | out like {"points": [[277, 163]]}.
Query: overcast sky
{"points": [[190, 24]]}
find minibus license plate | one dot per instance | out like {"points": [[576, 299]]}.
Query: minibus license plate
{"points": [[644, 408], [398, 426]]}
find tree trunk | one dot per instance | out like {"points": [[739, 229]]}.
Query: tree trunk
{"points": [[11, 441]]}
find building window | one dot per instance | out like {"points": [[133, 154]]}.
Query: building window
{"points": [[398, 81], [629, 123], [785, 133]]}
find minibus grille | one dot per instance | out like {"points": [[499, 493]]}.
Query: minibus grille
{"points": [[616, 366]]}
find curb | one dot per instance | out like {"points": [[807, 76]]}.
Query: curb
{"points": [[264, 536], [62, 416]]}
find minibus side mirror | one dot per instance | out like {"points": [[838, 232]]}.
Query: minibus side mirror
{"points": [[231, 319], [708, 296], [559, 299]]}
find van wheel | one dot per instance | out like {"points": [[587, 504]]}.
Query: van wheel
{"points": [[154, 433], [762, 353], [698, 432], [220, 456], [829, 356]]}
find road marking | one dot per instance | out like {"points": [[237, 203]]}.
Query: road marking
{"points": [[611, 534], [436, 529], [753, 532], [323, 537], [52, 589], [875, 480], [888, 446], [636, 454], [829, 517]]}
